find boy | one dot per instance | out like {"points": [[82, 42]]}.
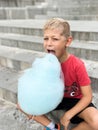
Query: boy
{"points": [[78, 94]]}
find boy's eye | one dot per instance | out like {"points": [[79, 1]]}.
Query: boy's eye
{"points": [[55, 39], [45, 38]]}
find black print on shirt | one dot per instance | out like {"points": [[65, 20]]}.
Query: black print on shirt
{"points": [[72, 90]]}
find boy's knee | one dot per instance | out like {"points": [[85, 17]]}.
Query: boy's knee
{"points": [[94, 122]]}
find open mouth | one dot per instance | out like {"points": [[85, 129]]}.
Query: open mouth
{"points": [[51, 51]]}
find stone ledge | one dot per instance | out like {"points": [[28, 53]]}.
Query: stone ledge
{"points": [[86, 26], [82, 49], [13, 119], [20, 56]]}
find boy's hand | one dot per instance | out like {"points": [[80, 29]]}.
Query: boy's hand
{"points": [[29, 116], [19, 107], [65, 121]]}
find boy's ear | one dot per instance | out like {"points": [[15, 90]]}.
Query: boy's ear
{"points": [[69, 40]]}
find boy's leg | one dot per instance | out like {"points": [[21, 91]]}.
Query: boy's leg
{"points": [[42, 120], [90, 116], [46, 122], [82, 126]]}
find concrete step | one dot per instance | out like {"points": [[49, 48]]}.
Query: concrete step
{"points": [[13, 119], [38, 3], [22, 41], [28, 27], [8, 84], [20, 59], [9, 81], [68, 17], [82, 49], [12, 13], [81, 30], [77, 10], [77, 2], [74, 4], [27, 12], [70, 3], [8, 3], [18, 3], [74, 11], [85, 50]]}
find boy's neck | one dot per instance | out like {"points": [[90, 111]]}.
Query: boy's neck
{"points": [[64, 57]]}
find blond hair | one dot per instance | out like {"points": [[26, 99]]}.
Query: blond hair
{"points": [[58, 23]]}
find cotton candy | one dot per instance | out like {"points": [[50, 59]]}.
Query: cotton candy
{"points": [[41, 87]]}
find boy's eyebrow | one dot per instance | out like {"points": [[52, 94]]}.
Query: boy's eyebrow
{"points": [[51, 36]]}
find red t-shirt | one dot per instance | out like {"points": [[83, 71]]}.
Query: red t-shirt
{"points": [[75, 76]]}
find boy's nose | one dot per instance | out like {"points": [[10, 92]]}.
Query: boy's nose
{"points": [[49, 43]]}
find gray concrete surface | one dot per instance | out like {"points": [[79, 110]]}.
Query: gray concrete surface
{"points": [[20, 59], [81, 30], [82, 49], [12, 119]]}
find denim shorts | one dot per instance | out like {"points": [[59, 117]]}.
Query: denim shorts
{"points": [[67, 104]]}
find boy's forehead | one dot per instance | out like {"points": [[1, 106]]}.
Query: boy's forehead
{"points": [[54, 26], [55, 31]]}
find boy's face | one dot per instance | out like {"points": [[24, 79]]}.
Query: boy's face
{"points": [[54, 42]]}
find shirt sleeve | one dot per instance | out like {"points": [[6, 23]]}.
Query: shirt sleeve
{"points": [[82, 75]]}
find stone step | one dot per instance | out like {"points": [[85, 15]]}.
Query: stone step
{"points": [[78, 17], [87, 7], [68, 17], [40, 2], [9, 3], [27, 12], [12, 119], [70, 3], [31, 11], [19, 3], [81, 30], [82, 49], [20, 59], [85, 50], [9, 81], [28, 27], [76, 5], [12, 13], [22, 41], [76, 10], [76, 2]]}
